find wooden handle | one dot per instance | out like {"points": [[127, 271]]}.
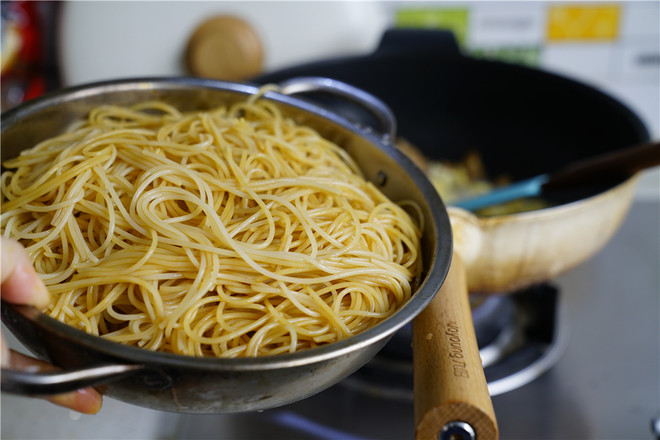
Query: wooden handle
{"points": [[449, 381]]}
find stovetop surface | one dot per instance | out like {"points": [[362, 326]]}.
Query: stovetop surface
{"points": [[605, 385]]}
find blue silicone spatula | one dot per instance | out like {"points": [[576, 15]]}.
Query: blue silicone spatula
{"points": [[617, 164]]}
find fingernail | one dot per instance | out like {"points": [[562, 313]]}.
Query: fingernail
{"points": [[4, 351], [85, 401]]}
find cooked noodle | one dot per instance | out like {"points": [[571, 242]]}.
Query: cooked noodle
{"points": [[229, 233]]}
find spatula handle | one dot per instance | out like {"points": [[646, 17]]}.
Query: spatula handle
{"points": [[450, 389], [617, 164]]}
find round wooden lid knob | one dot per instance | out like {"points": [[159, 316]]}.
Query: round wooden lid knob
{"points": [[224, 47]]}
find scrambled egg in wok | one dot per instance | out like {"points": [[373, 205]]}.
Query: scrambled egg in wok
{"points": [[467, 178]]}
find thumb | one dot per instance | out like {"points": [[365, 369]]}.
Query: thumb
{"points": [[20, 282]]}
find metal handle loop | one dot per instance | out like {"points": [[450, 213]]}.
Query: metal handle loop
{"points": [[374, 105], [29, 383]]}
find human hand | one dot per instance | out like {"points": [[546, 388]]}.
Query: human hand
{"points": [[21, 285]]}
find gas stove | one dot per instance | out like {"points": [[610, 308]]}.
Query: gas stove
{"points": [[520, 337]]}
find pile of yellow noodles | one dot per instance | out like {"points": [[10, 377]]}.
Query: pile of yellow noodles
{"points": [[232, 232]]}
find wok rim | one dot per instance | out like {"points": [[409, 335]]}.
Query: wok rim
{"points": [[563, 209], [434, 274]]}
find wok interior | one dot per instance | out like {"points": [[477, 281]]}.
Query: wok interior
{"points": [[382, 164], [522, 121]]}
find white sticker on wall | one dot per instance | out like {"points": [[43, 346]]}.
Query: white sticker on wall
{"points": [[507, 24]]}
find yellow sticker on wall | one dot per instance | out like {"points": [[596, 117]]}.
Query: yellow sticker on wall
{"points": [[584, 22]]}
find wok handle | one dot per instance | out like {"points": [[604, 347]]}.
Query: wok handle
{"points": [[404, 41], [30, 383], [374, 105], [450, 389], [617, 164]]}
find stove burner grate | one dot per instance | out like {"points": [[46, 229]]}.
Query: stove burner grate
{"points": [[519, 337]]}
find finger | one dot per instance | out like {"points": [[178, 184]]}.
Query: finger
{"points": [[20, 282], [86, 400]]}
